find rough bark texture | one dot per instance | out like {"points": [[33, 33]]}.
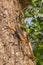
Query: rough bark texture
{"points": [[15, 48]]}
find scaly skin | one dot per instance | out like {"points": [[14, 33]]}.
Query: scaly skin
{"points": [[18, 31]]}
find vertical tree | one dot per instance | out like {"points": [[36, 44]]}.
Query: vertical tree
{"points": [[15, 48]]}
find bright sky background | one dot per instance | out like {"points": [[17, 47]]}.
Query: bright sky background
{"points": [[28, 20]]}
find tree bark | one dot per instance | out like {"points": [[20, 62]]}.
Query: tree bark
{"points": [[15, 48]]}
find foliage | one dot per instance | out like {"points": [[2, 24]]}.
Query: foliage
{"points": [[35, 30]]}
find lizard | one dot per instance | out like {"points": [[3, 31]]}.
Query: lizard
{"points": [[17, 31], [25, 46]]}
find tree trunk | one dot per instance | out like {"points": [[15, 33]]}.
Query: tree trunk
{"points": [[15, 48]]}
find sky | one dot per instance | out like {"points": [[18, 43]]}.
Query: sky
{"points": [[28, 21]]}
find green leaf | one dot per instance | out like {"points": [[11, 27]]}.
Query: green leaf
{"points": [[28, 30], [23, 26]]}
